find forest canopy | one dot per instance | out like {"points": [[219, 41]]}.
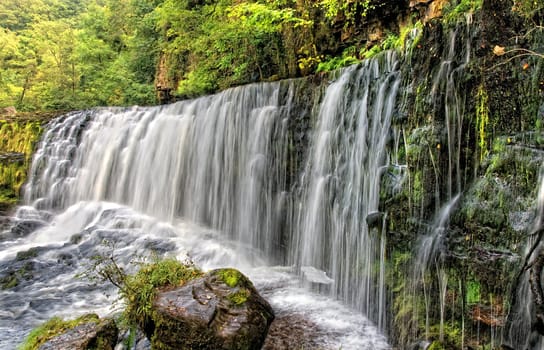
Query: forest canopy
{"points": [[75, 54]]}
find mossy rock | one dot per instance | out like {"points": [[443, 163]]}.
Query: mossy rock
{"points": [[221, 310], [84, 333], [14, 275]]}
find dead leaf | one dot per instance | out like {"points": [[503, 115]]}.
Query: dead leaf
{"points": [[498, 50]]}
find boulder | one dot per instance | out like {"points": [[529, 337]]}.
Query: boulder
{"points": [[85, 336], [23, 228], [221, 310]]}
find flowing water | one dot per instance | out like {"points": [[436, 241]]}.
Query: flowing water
{"points": [[429, 260], [447, 99], [205, 180], [519, 332], [340, 185]]}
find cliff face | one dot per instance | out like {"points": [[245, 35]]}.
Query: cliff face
{"points": [[469, 134], [465, 159]]}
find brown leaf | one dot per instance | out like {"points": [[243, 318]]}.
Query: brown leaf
{"points": [[498, 50]]}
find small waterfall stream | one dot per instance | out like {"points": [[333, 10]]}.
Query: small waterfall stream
{"points": [[429, 260], [519, 332]]}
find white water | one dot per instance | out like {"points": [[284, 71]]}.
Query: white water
{"points": [[519, 333], [429, 260], [340, 185], [448, 95], [205, 180], [215, 160]]}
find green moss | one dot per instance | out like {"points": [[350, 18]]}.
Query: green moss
{"points": [[27, 254], [230, 276], [52, 328], [436, 345], [239, 297], [14, 277], [347, 58], [9, 281], [482, 120], [19, 137], [140, 290], [473, 292]]}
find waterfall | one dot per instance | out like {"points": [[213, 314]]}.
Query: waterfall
{"points": [[218, 161], [340, 184], [216, 180]]}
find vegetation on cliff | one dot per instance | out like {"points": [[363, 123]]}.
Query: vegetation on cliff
{"points": [[17, 141]]}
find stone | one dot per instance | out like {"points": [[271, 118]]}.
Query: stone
{"points": [[374, 219], [221, 310], [85, 336], [8, 111], [25, 227], [292, 332]]}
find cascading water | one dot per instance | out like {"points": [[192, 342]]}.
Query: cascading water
{"points": [[203, 180], [429, 259], [519, 333], [215, 160], [447, 99], [340, 185]]}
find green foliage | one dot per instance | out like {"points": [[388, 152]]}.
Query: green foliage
{"points": [[82, 53], [347, 58], [73, 54], [395, 42], [139, 290], [455, 10], [51, 328], [215, 46], [346, 8]]}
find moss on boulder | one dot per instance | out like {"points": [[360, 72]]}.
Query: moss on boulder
{"points": [[84, 333], [220, 310]]}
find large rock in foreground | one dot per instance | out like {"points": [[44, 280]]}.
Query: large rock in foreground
{"points": [[221, 310]]}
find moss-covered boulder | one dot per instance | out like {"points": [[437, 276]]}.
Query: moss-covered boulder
{"points": [[84, 333], [220, 310]]}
